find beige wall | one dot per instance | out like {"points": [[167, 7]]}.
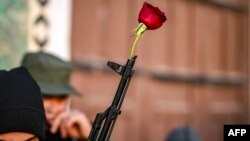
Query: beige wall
{"points": [[58, 30]]}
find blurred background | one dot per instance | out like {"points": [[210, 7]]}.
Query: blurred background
{"points": [[192, 71]]}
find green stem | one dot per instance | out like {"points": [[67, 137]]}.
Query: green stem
{"points": [[133, 46], [140, 29]]}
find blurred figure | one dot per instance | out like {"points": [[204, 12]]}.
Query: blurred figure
{"points": [[22, 115], [184, 133], [53, 75]]}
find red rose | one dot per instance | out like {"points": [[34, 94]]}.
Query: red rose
{"points": [[151, 16]]}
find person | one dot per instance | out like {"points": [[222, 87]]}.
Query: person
{"points": [[53, 76], [22, 115], [183, 133]]}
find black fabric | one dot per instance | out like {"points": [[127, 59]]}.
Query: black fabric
{"points": [[56, 137], [21, 105]]}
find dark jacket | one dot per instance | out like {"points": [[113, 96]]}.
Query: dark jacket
{"points": [[184, 133]]}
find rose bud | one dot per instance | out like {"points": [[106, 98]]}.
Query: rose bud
{"points": [[151, 16]]}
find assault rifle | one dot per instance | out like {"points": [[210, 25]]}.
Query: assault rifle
{"points": [[111, 114]]}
